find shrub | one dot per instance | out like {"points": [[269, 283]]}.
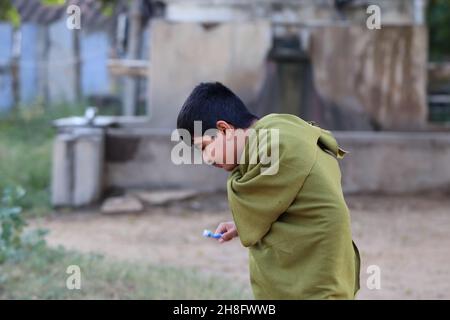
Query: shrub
{"points": [[14, 242]]}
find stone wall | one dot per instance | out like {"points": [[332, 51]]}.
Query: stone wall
{"points": [[351, 78], [185, 54], [86, 163], [388, 162], [370, 79], [395, 162], [142, 159]]}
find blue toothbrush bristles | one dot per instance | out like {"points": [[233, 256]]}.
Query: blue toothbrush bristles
{"points": [[209, 234]]}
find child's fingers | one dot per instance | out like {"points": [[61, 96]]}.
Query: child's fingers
{"points": [[227, 236], [228, 231], [222, 228]]}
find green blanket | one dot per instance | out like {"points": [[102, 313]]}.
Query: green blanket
{"points": [[295, 222]]}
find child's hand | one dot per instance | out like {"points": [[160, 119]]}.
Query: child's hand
{"points": [[228, 230]]}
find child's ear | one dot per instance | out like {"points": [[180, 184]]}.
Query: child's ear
{"points": [[223, 126]]}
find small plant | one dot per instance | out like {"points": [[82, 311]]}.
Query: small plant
{"points": [[13, 241]]}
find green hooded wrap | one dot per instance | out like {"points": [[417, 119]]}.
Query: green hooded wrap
{"points": [[294, 220]]}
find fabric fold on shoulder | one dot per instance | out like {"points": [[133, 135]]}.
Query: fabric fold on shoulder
{"points": [[329, 142]]}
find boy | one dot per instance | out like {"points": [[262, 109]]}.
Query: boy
{"points": [[293, 219]]}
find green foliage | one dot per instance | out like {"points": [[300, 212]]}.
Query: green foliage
{"points": [[439, 29], [53, 2], [9, 13], [11, 224], [13, 241], [108, 7]]}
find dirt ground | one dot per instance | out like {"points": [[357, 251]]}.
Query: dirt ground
{"points": [[408, 238]]}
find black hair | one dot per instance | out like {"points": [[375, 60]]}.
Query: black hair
{"points": [[210, 102]]}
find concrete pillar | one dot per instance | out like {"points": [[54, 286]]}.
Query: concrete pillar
{"points": [[77, 176], [62, 170], [88, 167]]}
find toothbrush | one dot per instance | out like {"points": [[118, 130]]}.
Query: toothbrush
{"points": [[209, 234]]}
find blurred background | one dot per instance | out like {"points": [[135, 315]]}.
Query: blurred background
{"points": [[89, 94]]}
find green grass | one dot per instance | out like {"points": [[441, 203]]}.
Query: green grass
{"points": [[25, 152], [42, 275]]}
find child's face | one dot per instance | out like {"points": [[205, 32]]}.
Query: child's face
{"points": [[223, 149]]}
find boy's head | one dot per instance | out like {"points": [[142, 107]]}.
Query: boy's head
{"points": [[223, 117]]}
